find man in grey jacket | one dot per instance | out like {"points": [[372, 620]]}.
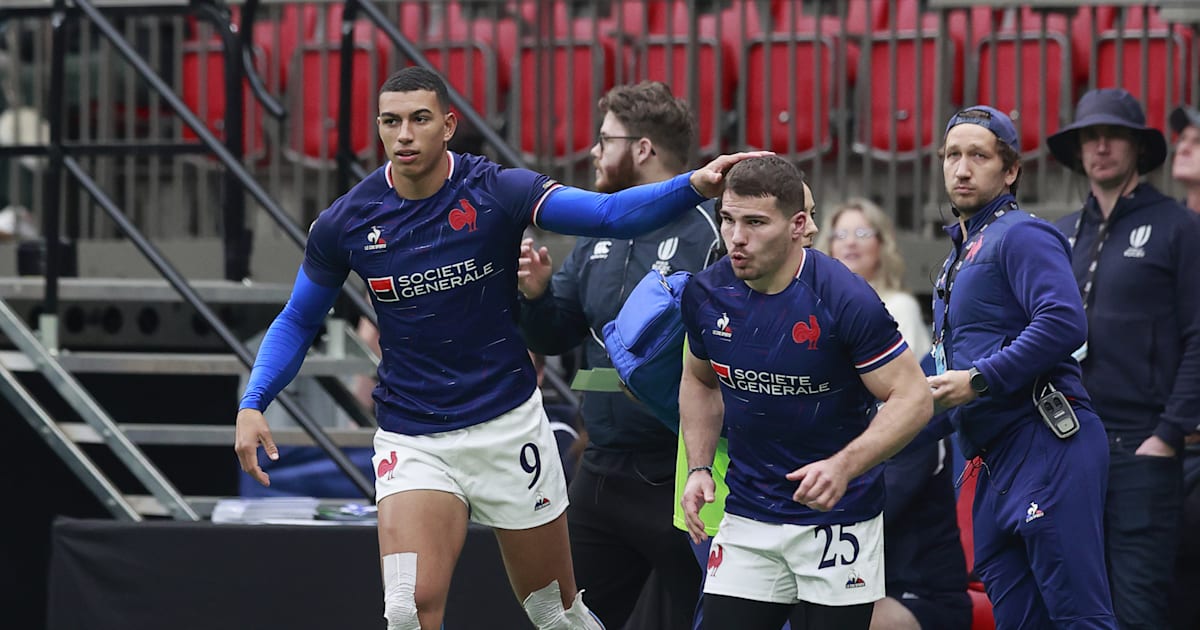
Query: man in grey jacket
{"points": [[622, 496]]}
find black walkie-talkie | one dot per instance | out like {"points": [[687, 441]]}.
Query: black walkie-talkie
{"points": [[1057, 413]]}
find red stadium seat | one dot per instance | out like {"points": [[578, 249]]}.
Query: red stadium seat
{"points": [[861, 15], [793, 20], [558, 84], [558, 76], [471, 50], [203, 90], [314, 110], [638, 16], [786, 107], [981, 608], [782, 116], [203, 68], [901, 66], [1010, 61], [1144, 38], [664, 57]]}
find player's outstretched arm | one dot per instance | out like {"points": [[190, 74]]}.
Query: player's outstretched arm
{"points": [[901, 385], [634, 211], [701, 414], [278, 361]]}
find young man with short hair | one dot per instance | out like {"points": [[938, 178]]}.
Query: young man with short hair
{"points": [[788, 351], [463, 436]]}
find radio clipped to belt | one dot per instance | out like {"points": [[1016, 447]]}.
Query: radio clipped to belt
{"points": [[1056, 411]]}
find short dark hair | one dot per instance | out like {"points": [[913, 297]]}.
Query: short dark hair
{"points": [[768, 176], [415, 78], [649, 110]]}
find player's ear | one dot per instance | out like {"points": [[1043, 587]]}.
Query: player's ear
{"points": [[451, 125], [798, 221]]}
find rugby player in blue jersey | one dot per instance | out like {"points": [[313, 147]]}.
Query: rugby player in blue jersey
{"points": [[789, 351], [436, 237]]}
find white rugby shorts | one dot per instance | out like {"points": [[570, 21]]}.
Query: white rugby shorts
{"points": [[832, 565], [507, 470]]}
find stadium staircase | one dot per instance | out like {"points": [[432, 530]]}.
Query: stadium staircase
{"points": [[64, 368]]}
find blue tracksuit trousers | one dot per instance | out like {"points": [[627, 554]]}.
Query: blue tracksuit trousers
{"points": [[1039, 528]]}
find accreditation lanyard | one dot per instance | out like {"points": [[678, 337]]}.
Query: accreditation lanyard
{"points": [[1085, 291], [946, 285]]}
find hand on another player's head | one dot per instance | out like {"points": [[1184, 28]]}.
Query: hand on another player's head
{"points": [[709, 179]]}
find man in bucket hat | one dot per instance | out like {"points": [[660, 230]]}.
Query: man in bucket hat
{"points": [[1185, 122], [1135, 259], [1006, 319]]}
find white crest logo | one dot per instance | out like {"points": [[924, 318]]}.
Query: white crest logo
{"points": [[1137, 242], [376, 240], [600, 250], [1140, 236], [667, 248], [722, 330]]}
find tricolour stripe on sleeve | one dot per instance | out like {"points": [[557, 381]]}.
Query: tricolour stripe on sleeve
{"points": [[538, 206], [893, 349]]}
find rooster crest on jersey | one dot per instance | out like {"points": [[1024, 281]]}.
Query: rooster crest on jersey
{"points": [[386, 467], [810, 332], [464, 216]]}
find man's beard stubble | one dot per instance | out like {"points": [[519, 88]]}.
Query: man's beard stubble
{"points": [[618, 178]]}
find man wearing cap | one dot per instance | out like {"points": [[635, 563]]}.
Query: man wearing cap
{"points": [[1136, 260], [1185, 122], [1006, 319]]}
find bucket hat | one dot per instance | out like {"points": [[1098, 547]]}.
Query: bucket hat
{"points": [[1115, 107]]}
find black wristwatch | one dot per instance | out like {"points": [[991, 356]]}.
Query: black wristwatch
{"points": [[978, 383]]}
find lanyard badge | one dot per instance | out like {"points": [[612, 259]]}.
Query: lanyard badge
{"points": [[939, 356]]}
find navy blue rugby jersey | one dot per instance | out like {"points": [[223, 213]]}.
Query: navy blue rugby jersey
{"points": [[442, 274], [789, 366]]}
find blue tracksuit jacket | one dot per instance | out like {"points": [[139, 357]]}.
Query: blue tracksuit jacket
{"points": [[1015, 314]]}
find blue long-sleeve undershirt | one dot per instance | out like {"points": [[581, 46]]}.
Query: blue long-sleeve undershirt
{"points": [[287, 341], [625, 214]]}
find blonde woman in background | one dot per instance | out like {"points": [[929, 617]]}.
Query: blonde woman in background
{"points": [[859, 234], [924, 567]]}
